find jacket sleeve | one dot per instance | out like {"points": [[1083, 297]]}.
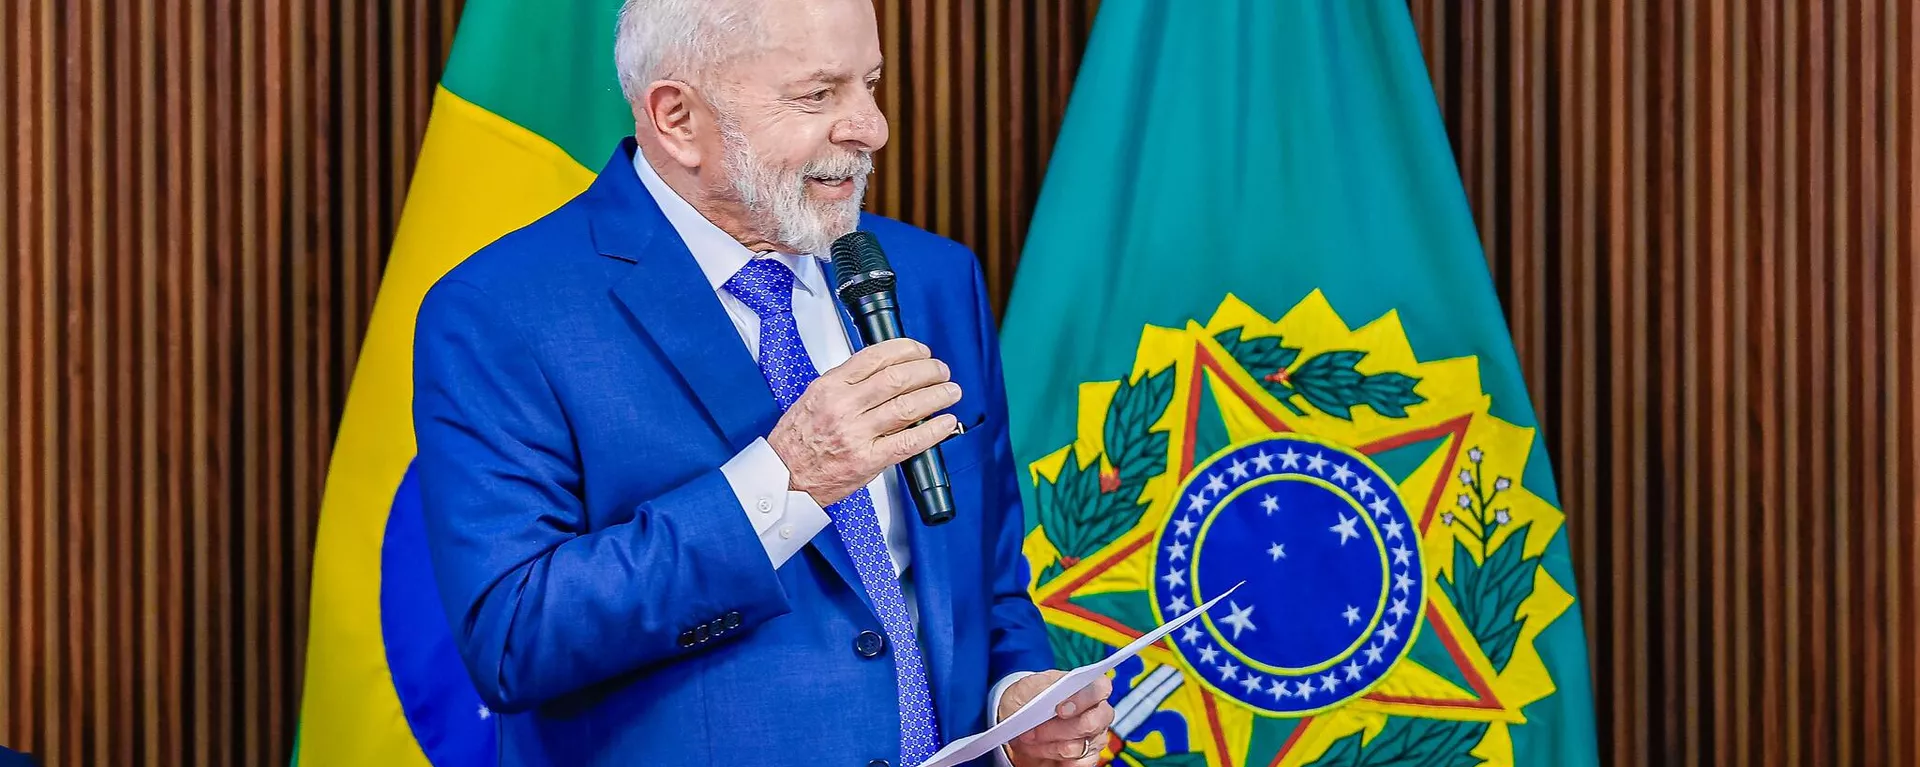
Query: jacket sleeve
{"points": [[540, 605], [1019, 637]]}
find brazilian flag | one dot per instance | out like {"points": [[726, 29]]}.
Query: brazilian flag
{"points": [[1253, 339], [528, 105]]}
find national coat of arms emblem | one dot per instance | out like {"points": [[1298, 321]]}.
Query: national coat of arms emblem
{"points": [[1372, 504]]}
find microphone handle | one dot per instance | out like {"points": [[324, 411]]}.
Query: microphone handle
{"points": [[879, 320]]}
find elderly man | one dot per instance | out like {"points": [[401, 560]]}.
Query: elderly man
{"points": [[661, 484]]}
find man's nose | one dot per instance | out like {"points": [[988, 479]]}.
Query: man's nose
{"points": [[865, 129]]}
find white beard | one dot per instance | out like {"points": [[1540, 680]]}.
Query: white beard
{"points": [[776, 198]]}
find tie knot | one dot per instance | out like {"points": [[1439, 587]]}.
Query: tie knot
{"points": [[765, 285]]}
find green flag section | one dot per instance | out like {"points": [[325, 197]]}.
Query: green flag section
{"points": [[1253, 341], [528, 109]]}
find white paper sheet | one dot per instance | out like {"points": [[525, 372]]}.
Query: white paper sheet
{"points": [[1037, 711]]}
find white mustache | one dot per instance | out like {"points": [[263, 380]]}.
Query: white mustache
{"points": [[855, 165]]}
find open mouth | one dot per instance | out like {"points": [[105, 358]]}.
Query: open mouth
{"points": [[832, 181]]}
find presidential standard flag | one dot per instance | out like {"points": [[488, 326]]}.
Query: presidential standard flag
{"points": [[1253, 338], [529, 103]]}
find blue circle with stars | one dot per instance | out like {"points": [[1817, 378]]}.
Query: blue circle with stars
{"points": [[1330, 557]]}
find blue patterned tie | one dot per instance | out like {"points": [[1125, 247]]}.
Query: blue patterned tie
{"points": [[766, 286]]}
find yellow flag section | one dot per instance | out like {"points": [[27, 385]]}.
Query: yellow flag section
{"points": [[479, 177]]}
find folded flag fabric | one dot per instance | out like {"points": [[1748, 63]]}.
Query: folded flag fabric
{"points": [[1253, 338], [529, 103]]}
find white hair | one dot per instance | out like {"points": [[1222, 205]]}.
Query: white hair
{"points": [[679, 39]]}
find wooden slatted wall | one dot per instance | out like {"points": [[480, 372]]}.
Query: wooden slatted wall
{"points": [[1700, 215]]}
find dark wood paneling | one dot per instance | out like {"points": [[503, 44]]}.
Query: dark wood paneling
{"points": [[1700, 217], [196, 201]]}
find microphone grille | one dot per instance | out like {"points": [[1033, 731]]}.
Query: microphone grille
{"points": [[860, 266]]}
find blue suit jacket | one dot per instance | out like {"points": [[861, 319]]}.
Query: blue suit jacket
{"points": [[577, 388]]}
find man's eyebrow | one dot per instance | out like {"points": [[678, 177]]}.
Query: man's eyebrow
{"points": [[835, 76]]}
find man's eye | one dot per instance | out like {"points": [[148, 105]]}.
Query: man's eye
{"points": [[818, 96]]}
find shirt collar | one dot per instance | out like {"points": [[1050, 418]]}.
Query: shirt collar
{"points": [[718, 253]]}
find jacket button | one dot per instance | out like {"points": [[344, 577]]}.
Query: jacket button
{"points": [[700, 633], [869, 644], [717, 625], [878, 763], [686, 639], [733, 620]]}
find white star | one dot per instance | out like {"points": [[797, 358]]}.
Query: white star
{"points": [[1262, 462], [1327, 682], [1402, 555], [1207, 654], [1363, 487], [1389, 633], [1401, 582], [1183, 526], [485, 713], [1173, 579], [1303, 689], [1179, 604], [1238, 469], [1317, 463], [1393, 528], [1399, 609], [1277, 551], [1215, 484], [1345, 529], [1373, 653], [1290, 459], [1197, 502], [1352, 615], [1190, 634], [1341, 473], [1177, 550], [1380, 507], [1353, 670], [1241, 619], [1271, 504], [1228, 670], [1251, 683], [1278, 690]]}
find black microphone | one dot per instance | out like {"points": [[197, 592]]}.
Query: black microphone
{"points": [[866, 289]]}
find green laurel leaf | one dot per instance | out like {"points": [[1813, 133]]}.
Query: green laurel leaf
{"points": [[1409, 742], [1072, 649], [1136, 453], [1189, 759], [1390, 394], [1064, 506]]}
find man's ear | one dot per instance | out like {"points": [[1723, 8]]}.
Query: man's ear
{"points": [[670, 107]]}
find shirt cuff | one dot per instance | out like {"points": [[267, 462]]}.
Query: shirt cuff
{"points": [[784, 519], [993, 711]]}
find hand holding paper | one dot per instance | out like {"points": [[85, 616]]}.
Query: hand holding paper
{"points": [[1041, 708]]}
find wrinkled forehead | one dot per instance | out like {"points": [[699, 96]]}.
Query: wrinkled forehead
{"points": [[803, 42]]}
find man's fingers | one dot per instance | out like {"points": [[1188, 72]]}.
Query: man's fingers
{"points": [[896, 380], [1075, 730], [1086, 698], [902, 445], [873, 359], [906, 409]]}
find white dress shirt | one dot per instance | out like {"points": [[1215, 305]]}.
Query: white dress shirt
{"points": [[786, 520]]}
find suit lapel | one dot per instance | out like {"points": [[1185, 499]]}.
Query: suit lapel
{"points": [[671, 300]]}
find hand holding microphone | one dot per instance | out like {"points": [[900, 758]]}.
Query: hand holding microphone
{"points": [[876, 409], [858, 419]]}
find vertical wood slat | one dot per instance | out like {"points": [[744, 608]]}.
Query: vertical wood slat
{"points": [[1740, 504]]}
